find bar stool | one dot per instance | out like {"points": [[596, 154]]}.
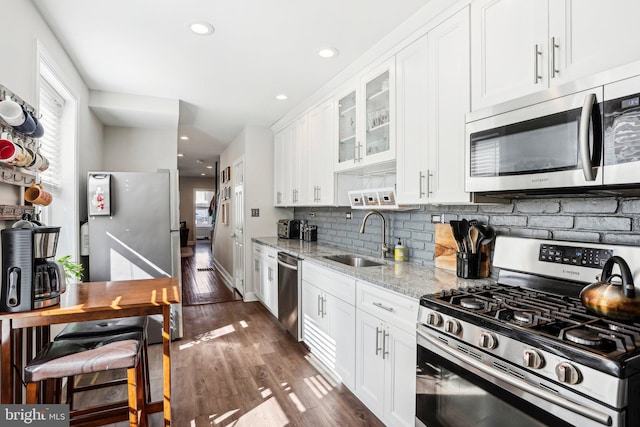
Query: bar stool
{"points": [[69, 357], [103, 328]]}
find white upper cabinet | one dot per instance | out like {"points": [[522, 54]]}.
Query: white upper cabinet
{"points": [[366, 120], [433, 96], [321, 182], [290, 164], [523, 46], [347, 137], [509, 45], [283, 166], [300, 157], [592, 36]]}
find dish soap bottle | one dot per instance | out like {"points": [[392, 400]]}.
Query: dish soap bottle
{"points": [[399, 252]]}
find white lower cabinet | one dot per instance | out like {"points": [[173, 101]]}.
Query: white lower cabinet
{"points": [[328, 319], [265, 276], [366, 335], [386, 354]]}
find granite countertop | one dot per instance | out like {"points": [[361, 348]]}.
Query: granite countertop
{"points": [[405, 278]]}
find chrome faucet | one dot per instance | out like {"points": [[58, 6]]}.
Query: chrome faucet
{"points": [[384, 250]]}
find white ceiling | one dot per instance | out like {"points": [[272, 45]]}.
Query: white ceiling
{"points": [[225, 81]]}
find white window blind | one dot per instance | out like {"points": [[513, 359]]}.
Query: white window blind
{"points": [[51, 109]]}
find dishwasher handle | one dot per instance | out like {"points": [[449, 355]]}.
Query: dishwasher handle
{"points": [[288, 261]]}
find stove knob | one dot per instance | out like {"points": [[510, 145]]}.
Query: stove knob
{"points": [[567, 373], [533, 359], [488, 340], [452, 326], [434, 319]]}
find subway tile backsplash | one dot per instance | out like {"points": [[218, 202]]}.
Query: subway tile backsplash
{"points": [[605, 220]]}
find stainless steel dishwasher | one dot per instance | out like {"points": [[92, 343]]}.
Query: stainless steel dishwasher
{"points": [[288, 292]]}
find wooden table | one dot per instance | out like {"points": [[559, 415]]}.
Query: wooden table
{"points": [[92, 301]]}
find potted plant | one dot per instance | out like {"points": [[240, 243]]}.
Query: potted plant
{"points": [[72, 270]]}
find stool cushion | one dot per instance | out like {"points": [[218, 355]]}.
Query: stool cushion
{"points": [[64, 358], [102, 327]]}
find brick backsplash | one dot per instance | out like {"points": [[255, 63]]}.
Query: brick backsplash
{"points": [[604, 220]]}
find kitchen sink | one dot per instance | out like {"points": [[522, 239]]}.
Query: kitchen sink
{"points": [[353, 260]]}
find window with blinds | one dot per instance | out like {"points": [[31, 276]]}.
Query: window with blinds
{"points": [[51, 110]]}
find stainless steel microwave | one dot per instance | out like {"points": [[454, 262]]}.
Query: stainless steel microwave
{"points": [[583, 140]]}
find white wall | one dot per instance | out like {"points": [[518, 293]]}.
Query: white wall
{"points": [[223, 243], [23, 28], [139, 150]]}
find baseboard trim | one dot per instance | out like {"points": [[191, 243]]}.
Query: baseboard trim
{"points": [[228, 279]]}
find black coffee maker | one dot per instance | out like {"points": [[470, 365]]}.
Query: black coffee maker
{"points": [[31, 279]]}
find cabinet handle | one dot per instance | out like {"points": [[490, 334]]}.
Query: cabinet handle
{"points": [[355, 152], [319, 305], [385, 334], [536, 75], [256, 265], [429, 176], [324, 306], [319, 194], [554, 47], [378, 330], [279, 197], [382, 306], [420, 177], [269, 274]]}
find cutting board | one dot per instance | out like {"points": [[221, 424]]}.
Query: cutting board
{"points": [[446, 249]]}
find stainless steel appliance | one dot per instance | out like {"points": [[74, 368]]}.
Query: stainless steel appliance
{"points": [[140, 238], [289, 292], [575, 138], [31, 279], [289, 229], [525, 351]]}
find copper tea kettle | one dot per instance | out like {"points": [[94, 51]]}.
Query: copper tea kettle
{"points": [[616, 300]]}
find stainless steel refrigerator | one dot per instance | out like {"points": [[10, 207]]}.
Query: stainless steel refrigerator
{"points": [[134, 232]]}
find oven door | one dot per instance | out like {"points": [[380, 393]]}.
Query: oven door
{"points": [[454, 389], [552, 144]]}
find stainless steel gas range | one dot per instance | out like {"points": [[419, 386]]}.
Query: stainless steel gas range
{"points": [[525, 351]]}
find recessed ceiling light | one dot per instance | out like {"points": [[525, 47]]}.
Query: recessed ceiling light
{"points": [[180, 155], [281, 97], [184, 138], [328, 52], [209, 167], [199, 161], [201, 28], [203, 174]]}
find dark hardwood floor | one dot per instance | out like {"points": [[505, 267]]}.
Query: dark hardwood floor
{"points": [[202, 283], [237, 366]]}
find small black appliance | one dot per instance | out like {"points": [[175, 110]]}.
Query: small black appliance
{"points": [[31, 279]]}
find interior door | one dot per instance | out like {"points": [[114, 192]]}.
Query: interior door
{"points": [[238, 224]]}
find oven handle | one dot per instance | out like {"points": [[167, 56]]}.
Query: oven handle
{"points": [[598, 416]]}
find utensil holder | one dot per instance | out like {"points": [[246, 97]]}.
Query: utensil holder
{"points": [[468, 265]]}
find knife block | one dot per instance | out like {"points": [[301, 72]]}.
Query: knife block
{"points": [[446, 249]]}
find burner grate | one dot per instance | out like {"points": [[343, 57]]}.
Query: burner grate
{"points": [[556, 316]]}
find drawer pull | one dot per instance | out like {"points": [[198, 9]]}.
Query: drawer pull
{"points": [[382, 306]]}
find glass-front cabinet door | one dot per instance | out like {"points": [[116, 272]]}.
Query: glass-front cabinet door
{"points": [[377, 115], [347, 137], [366, 120]]}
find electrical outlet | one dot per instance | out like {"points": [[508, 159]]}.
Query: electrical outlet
{"points": [[348, 215], [255, 212], [436, 219], [312, 214]]}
